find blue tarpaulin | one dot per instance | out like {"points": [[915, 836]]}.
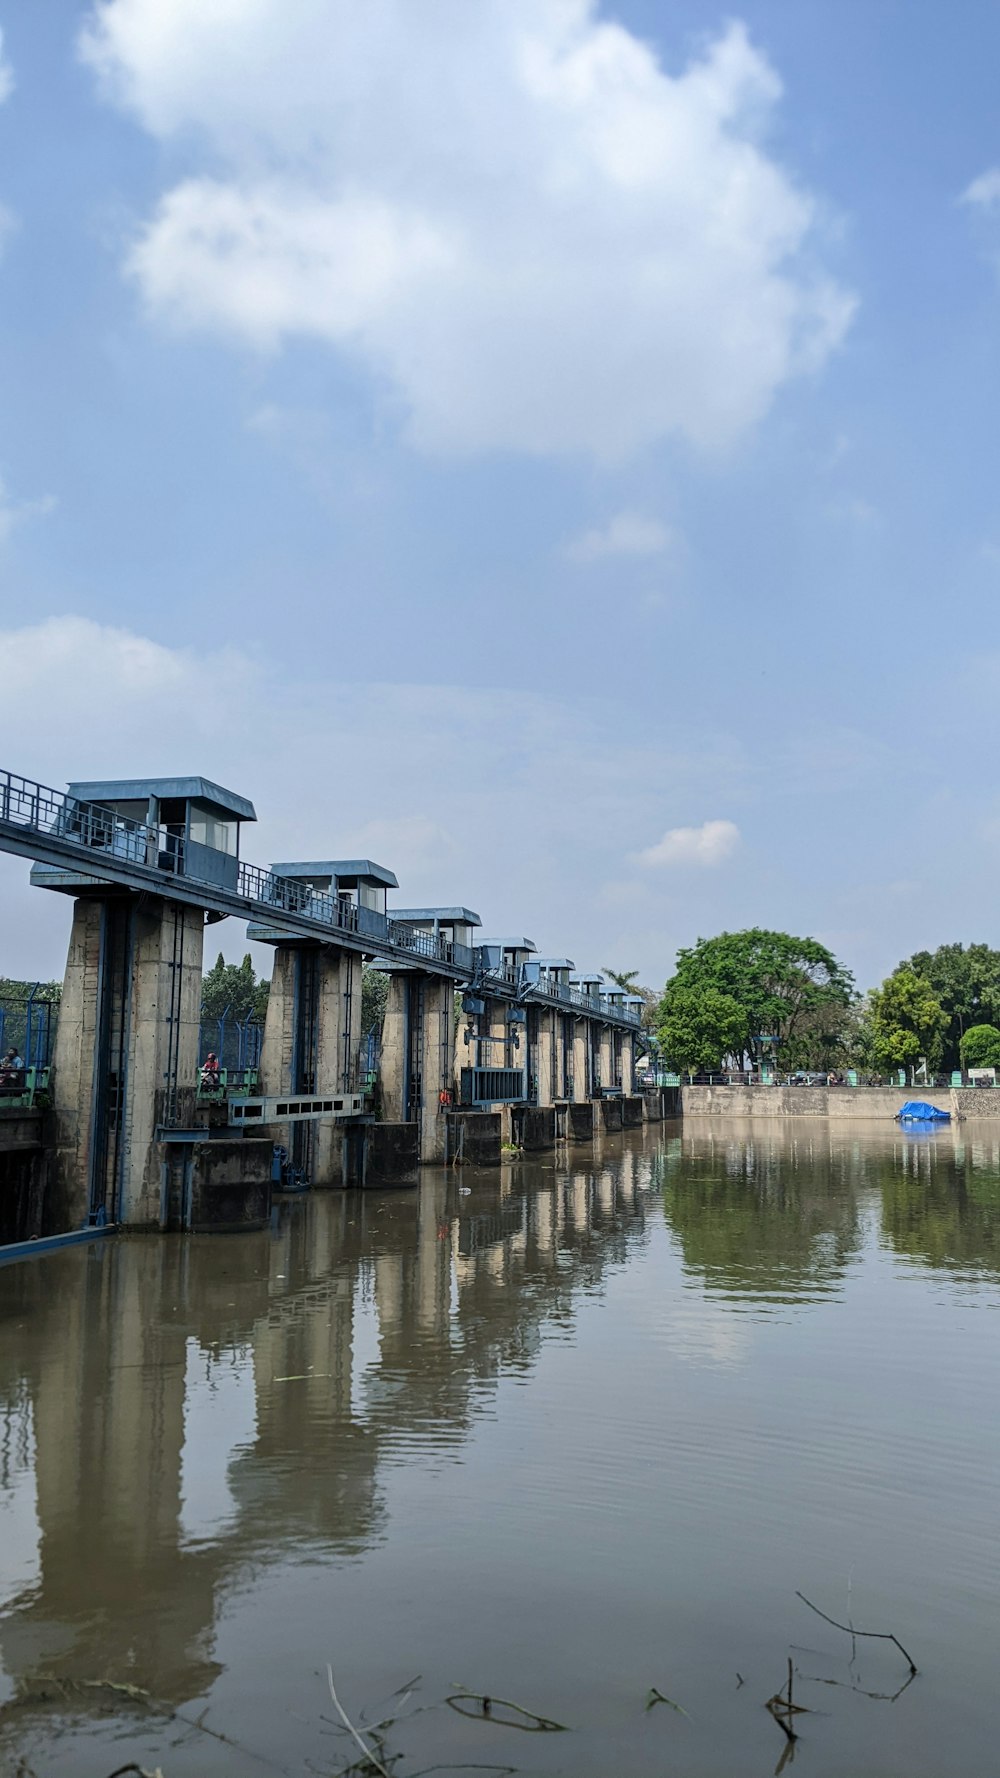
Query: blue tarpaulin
{"points": [[917, 1111]]}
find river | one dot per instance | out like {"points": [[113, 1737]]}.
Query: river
{"points": [[558, 1433]]}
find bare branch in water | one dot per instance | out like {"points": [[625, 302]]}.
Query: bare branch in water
{"points": [[849, 1630], [488, 1708], [658, 1697], [370, 1756]]}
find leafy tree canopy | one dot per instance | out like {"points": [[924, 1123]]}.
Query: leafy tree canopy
{"points": [[980, 1047], [374, 994], [234, 987], [698, 1026], [791, 989], [966, 981], [12, 989], [907, 1020]]}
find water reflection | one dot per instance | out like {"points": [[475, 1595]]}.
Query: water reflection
{"points": [[563, 1430], [769, 1215], [186, 1412], [941, 1200]]}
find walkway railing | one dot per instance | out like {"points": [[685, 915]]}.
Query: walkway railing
{"points": [[58, 829]]}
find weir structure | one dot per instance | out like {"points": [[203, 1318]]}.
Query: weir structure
{"points": [[137, 1139]]}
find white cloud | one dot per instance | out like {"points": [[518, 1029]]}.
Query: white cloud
{"points": [[15, 512], [708, 845], [984, 192], [534, 235], [627, 534]]}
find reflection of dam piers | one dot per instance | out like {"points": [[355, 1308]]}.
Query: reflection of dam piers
{"points": [[485, 1043]]}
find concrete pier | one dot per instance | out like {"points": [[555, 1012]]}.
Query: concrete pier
{"points": [[417, 1056], [126, 1055], [312, 1038]]}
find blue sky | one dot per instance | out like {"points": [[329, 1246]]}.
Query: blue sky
{"points": [[549, 447]]}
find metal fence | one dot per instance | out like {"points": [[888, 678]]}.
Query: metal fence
{"points": [[28, 1025], [235, 1042]]}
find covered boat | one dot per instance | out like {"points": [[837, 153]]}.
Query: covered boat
{"points": [[917, 1111]]}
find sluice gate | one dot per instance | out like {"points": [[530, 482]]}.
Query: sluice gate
{"points": [[140, 1134]]}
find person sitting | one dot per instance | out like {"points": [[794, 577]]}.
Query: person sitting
{"points": [[211, 1078], [10, 1068]]}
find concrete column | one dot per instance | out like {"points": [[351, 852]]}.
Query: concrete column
{"points": [[335, 1046], [628, 1064], [607, 1058], [438, 1069], [581, 1060], [546, 1055], [418, 1055], [126, 1054]]}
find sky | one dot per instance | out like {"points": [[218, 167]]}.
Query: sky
{"points": [[549, 448]]}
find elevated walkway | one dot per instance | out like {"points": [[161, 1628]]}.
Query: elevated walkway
{"points": [[95, 848]]}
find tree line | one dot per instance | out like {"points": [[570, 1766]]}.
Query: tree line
{"points": [[743, 998]]}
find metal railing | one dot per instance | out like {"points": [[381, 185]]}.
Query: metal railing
{"points": [[105, 841], [591, 1004]]}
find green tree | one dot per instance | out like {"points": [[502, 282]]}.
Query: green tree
{"points": [[233, 987], [907, 1021], [625, 979], [966, 980], [980, 1047], [12, 989], [698, 1026], [791, 989], [374, 995]]}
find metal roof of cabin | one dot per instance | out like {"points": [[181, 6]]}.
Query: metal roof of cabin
{"points": [[555, 962], [460, 916], [135, 790], [510, 944], [344, 869]]}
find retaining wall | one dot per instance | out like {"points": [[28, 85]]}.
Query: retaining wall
{"points": [[832, 1102]]}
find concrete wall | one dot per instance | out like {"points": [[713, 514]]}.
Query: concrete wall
{"points": [[580, 1121], [230, 1185], [534, 1127], [831, 1102], [477, 1136], [610, 1112], [393, 1154], [23, 1173]]}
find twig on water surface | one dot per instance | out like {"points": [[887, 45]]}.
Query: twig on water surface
{"points": [[488, 1708], [120, 1771], [658, 1697], [784, 1709], [849, 1630], [739, 1680], [879, 1697], [370, 1756]]}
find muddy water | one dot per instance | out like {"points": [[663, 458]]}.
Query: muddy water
{"points": [[558, 1434]]}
